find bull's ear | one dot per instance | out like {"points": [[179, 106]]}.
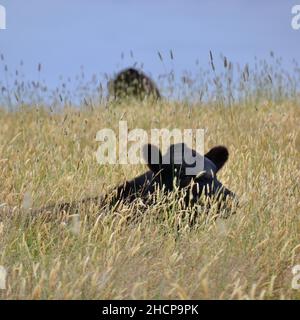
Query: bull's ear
{"points": [[218, 155], [153, 157]]}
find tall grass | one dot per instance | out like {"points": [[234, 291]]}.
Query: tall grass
{"points": [[49, 157], [222, 82]]}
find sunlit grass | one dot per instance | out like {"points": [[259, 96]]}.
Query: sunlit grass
{"points": [[48, 157]]}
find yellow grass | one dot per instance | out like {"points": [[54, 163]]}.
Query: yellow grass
{"points": [[47, 158]]}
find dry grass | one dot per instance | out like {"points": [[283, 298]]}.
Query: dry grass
{"points": [[47, 157]]}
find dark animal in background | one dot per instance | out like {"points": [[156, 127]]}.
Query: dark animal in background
{"points": [[132, 83], [171, 175]]}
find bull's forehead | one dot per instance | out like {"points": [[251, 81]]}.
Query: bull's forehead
{"points": [[186, 158], [209, 166], [180, 153], [200, 164]]}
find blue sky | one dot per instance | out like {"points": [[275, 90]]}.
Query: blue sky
{"points": [[66, 34]]}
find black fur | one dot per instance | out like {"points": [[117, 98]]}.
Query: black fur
{"points": [[218, 155], [167, 177], [164, 176]]}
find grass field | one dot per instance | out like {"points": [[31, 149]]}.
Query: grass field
{"points": [[48, 157]]}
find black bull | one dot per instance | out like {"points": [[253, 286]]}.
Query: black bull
{"points": [[167, 175]]}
